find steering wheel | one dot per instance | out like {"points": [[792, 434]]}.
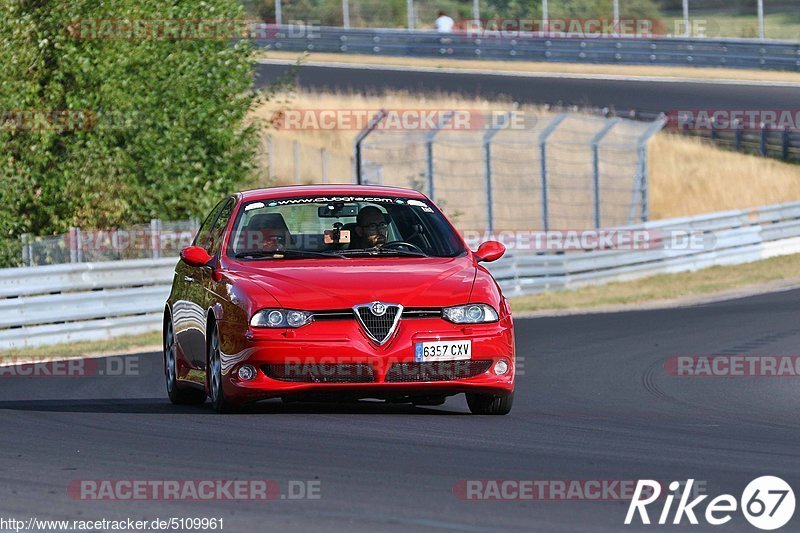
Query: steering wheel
{"points": [[393, 244]]}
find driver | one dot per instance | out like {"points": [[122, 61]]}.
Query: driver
{"points": [[371, 228]]}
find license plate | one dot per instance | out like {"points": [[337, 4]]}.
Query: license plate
{"points": [[442, 351]]}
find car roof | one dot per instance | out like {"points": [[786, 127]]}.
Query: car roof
{"points": [[294, 191]]}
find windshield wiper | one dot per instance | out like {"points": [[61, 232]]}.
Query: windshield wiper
{"points": [[384, 251], [258, 254]]}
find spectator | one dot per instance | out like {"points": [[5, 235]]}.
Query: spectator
{"points": [[444, 24]]}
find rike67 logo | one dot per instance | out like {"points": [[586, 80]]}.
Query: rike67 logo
{"points": [[767, 503]]}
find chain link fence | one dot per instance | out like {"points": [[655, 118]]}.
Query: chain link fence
{"points": [[762, 19], [556, 171], [143, 241], [507, 171]]}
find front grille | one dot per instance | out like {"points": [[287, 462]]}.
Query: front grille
{"points": [[438, 371], [321, 373], [378, 327]]}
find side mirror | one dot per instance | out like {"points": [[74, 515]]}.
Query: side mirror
{"points": [[195, 256], [490, 251]]}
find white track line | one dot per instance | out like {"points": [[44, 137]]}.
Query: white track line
{"points": [[552, 75]]}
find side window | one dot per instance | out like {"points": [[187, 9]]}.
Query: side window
{"points": [[218, 231], [205, 229]]}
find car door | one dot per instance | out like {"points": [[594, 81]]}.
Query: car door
{"points": [[188, 313], [203, 289]]}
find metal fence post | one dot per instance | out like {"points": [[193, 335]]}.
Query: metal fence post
{"points": [[763, 139], [323, 154], [785, 144], [545, 19], [737, 135], [346, 13], [596, 166], [278, 13], [296, 159], [155, 237], [73, 244], [487, 160], [641, 181], [429, 138], [357, 159], [687, 32], [550, 128], [410, 14], [26, 251], [270, 157]]}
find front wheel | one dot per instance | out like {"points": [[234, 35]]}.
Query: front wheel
{"points": [[490, 404], [216, 392], [177, 394]]}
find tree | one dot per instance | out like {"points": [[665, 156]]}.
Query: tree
{"points": [[99, 131]]}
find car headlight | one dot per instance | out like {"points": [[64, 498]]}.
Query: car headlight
{"points": [[280, 318], [470, 314]]}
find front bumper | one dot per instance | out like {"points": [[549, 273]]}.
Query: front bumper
{"points": [[344, 351]]}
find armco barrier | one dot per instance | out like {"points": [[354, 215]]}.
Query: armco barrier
{"points": [[91, 301], [696, 52]]}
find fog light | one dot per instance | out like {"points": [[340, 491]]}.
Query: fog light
{"points": [[247, 372], [500, 367]]}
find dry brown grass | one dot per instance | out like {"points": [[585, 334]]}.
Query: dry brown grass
{"points": [[701, 73], [687, 176]]}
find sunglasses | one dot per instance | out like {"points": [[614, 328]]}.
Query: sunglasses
{"points": [[376, 226]]}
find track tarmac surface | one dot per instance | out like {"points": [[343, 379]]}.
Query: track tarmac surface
{"points": [[594, 402], [622, 95]]}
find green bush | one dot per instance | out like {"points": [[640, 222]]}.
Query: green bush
{"points": [[165, 136]]}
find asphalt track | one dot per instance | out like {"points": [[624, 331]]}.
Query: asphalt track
{"points": [[622, 95], [594, 403]]}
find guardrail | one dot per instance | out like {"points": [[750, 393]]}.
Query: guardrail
{"points": [[92, 301], [697, 52], [740, 236], [82, 301]]}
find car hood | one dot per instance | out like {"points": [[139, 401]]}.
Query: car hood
{"points": [[320, 284]]}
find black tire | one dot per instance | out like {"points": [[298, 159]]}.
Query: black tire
{"points": [[214, 373], [490, 404], [178, 394]]}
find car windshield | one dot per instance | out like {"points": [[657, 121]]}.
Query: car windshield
{"points": [[341, 227]]}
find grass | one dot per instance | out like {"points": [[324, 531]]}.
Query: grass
{"points": [[688, 176], [705, 73], [666, 287], [118, 345]]}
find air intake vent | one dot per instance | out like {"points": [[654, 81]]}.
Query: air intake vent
{"points": [[321, 373], [438, 371]]}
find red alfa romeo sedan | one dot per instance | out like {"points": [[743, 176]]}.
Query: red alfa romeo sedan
{"points": [[336, 293]]}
